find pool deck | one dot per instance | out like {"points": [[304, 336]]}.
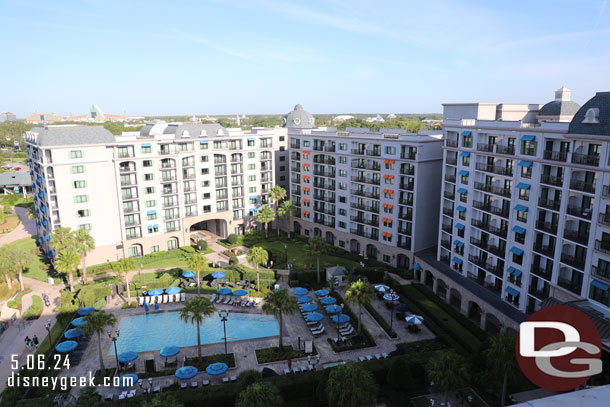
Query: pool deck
{"points": [[295, 328]]}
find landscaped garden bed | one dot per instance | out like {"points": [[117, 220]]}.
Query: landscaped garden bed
{"points": [[274, 354], [16, 302]]}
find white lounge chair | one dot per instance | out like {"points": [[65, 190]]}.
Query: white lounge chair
{"points": [[177, 297], [227, 300], [377, 356], [286, 371], [182, 297], [194, 384], [361, 358], [318, 332], [219, 299], [157, 389], [225, 379], [303, 369], [384, 355], [295, 370], [233, 378], [122, 395], [369, 357], [182, 385], [206, 382], [213, 298], [141, 301], [165, 299], [131, 393]]}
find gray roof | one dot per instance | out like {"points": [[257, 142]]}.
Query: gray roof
{"points": [[601, 322], [336, 271], [21, 178], [601, 101], [299, 118], [195, 130], [559, 108], [72, 135]]}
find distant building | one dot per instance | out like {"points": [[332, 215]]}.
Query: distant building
{"points": [[43, 118], [375, 119], [7, 117], [95, 114], [17, 182], [343, 117], [391, 116]]}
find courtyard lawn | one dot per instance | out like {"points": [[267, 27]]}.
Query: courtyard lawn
{"points": [[297, 255], [10, 223], [38, 268]]}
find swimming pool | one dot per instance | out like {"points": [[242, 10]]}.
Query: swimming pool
{"points": [[149, 332]]}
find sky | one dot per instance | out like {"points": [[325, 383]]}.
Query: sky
{"points": [[264, 56]]}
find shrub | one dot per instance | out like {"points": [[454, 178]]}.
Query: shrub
{"points": [[277, 256], [202, 245], [397, 373], [293, 283], [134, 304], [247, 377], [232, 238], [191, 249], [35, 309], [100, 304], [88, 298], [233, 260], [16, 303], [67, 304]]}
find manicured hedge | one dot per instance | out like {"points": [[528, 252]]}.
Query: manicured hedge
{"points": [[267, 355], [35, 309], [16, 302], [380, 320]]}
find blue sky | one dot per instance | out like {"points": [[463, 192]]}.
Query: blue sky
{"points": [[264, 56]]}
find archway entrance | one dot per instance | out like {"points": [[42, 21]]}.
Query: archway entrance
{"points": [[492, 324], [215, 226], [297, 228], [354, 246], [371, 252], [441, 288], [455, 299], [429, 279], [474, 312], [330, 238], [402, 261]]}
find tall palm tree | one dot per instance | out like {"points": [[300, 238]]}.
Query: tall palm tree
{"points": [[197, 262], [265, 215], [97, 323], [277, 193], [67, 261], [23, 260], [122, 269], [279, 303], [448, 371], [360, 292], [351, 385], [258, 256], [194, 312], [7, 265], [84, 244], [62, 238], [501, 358], [316, 246], [286, 210]]}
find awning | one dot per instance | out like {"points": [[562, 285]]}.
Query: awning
{"points": [[523, 185], [600, 285], [466, 133], [464, 154], [460, 226], [155, 226], [45, 222], [519, 230], [251, 139], [516, 250], [146, 145], [514, 271], [253, 196], [153, 212], [203, 142], [253, 209], [512, 291], [464, 172], [457, 260], [528, 138], [462, 191], [150, 227], [461, 209], [521, 208], [525, 164], [458, 243]]}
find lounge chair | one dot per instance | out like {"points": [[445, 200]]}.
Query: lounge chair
{"points": [[227, 300], [384, 355], [165, 299], [131, 393], [183, 296], [177, 297], [109, 397], [377, 356], [170, 298], [369, 357], [361, 358], [206, 382], [295, 370], [286, 371], [225, 379], [233, 378], [122, 395], [194, 384], [213, 298], [157, 389], [318, 332], [347, 332], [303, 369], [219, 299], [141, 301]]}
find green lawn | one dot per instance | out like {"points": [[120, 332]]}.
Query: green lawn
{"points": [[38, 269], [297, 255]]}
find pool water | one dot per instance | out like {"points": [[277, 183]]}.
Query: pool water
{"points": [[150, 332]]}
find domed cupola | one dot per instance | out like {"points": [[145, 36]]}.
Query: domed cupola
{"points": [[562, 109], [299, 118]]}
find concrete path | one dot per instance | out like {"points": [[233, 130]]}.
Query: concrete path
{"points": [[399, 279], [26, 228]]}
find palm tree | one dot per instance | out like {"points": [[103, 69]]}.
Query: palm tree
{"points": [[7, 265], [265, 215], [316, 246], [258, 256], [194, 312], [279, 303], [197, 262], [286, 210], [277, 193], [84, 244], [501, 358], [97, 323], [448, 371], [61, 239], [360, 292], [22, 261], [67, 261], [122, 269], [351, 385]]}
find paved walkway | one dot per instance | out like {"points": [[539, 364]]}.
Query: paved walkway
{"points": [[26, 228]]}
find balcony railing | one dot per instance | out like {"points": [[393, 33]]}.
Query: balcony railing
{"points": [[326, 160], [495, 169], [576, 236], [373, 152], [449, 195], [502, 149], [407, 201], [488, 247], [330, 149], [496, 270], [361, 219], [357, 151], [362, 233], [588, 187], [546, 250], [448, 211], [570, 285], [555, 155], [489, 148], [489, 228], [579, 211], [295, 145], [364, 207], [446, 228], [407, 156], [408, 186], [366, 166], [451, 143], [602, 246], [505, 192], [547, 226], [575, 262], [586, 159], [490, 208], [446, 244], [406, 216], [404, 230], [548, 204], [451, 161], [603, 275], [450, 178], [541, 272], [365, 180], [551, 180], [324, 198], [490, 286], [604, 219], [407, 170], [358, 192], [330, 187], [540, 294]]}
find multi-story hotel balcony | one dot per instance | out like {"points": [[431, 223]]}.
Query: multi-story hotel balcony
{"points": [[541, 294], [546, 250], [407, 186], [405, 230], [446, 244], [123, 168], [321, 159], [318, 147], [131, 208], [604, 219], [325, 198], [295, 156], [368, 194], [451, 143], [480, 262], [373, 152], [576, 236], [602, 246], [481, 281], [579, 211], [237, 158], [488, 247], [447, 228], [551, 180], [588, 187], [169, 191], [490, 208], [445, 258], [170, 204], [603, 275], [495, 169], [547, 227], [366, 180], [451, 161], [365, 207], [549, 204], [362, 233], [133, 194], [266, 167], [505, 192], [449, 195], [357, 151], [576, 262], [551, 155], [324, 222], [295, 144], [324, 185], [586, 159], [363, 165], [408, 155], [407, 170], [606, 191], [364, 220], [172, 216], [448, 211], [407, 201], [323, 173], [295, 191], [167, 164], [488, 148], [133, 221], [173, 228], [328, 211], [134, 235], [505, 149], [501, 232], [450, 178]]}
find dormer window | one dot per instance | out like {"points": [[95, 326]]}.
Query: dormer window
{"points": [[592, 116], [203, 133], [185, 134], [219, 132]]}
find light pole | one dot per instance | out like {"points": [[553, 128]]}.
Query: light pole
{"points": [[338, 320], [48, 326], [116, 353], [392, 316], [140, 273], [286, 253], [223, 317]]}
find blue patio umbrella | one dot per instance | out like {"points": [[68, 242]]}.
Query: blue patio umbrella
{"points": [[186, 372], [305, 299], [333, 309], [127, 357], [223, 291], [173, 290], [156, 291], [217, 368], [219, 274], [322, 293], [66, 346], [309, 307], [73, 333], [128, 380], [340, 318], [299, 291], [328, 301], [79, 321], [382, 288], [414, 319], [240, 293], [170, 351], [315, 317], [85, 311], [188, 274], [391, 297]]}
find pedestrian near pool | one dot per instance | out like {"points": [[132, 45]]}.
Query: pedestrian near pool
{"points": [[35, 340]]}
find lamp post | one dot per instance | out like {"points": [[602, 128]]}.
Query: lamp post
{"points": [[140, 273], [338, 320], [286, 253], [392, 316], [48, 326], [116, 353], [223, 318]]}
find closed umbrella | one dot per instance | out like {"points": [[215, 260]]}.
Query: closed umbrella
{"points": [[128, 380], [216, 369], [188, 274], [299, 291], [340, 319], [85, 311], [391, 297], [79, 321], [328, 301], [73, 333], [240, 293], [173, 290], [156, 291], [322, 293], [127, 357], [223, 291], [382, 288], [315, 317], [304, 299], [414, 319], [186, 372], [268, 372], [66, 346], [219, 274], [333, 309], [309, 307]]}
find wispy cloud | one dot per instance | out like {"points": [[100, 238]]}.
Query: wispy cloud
{"points": [[525, 42], [601, 12]]}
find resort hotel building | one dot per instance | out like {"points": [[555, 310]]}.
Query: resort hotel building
{"points": [[525, 197], [147, 191], [370, 193]]}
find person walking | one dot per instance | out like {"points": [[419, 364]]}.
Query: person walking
{"points": [[35, 340], [46, 300]]}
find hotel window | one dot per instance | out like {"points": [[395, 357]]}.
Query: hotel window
{"points": [[251, 143], [463, 197], [386, 258], [390, 150], [82, 213], [147, 163], [172, 244], [207, 208], [342, 160], [467, 141], [205, 183], [387, 222], [251, 189], [146, 149], [80, 184], [282, 148], [154, 249], [342, 173], [149, 190], [462, 215], [221, 206], [218, 145], [251, 166], [282, 138], [150, 204], [342, 225], [77, 169], [341, 243], [282, 168], [76, 154], [466, 160], [464, 179], [342, 212], [528, 147], [206, 195], [85, 226], [518, 258], [526, 172], [305, 143], [148, 177], [388, 209], [387, 238], [342, 146], [151, 216], [524, 194], [342, 199], [389, 181], [520, 237], [251, 178], [203, 145], [522, 216], [81, 198], [342, 186], [204, 158], [251, 155]]}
